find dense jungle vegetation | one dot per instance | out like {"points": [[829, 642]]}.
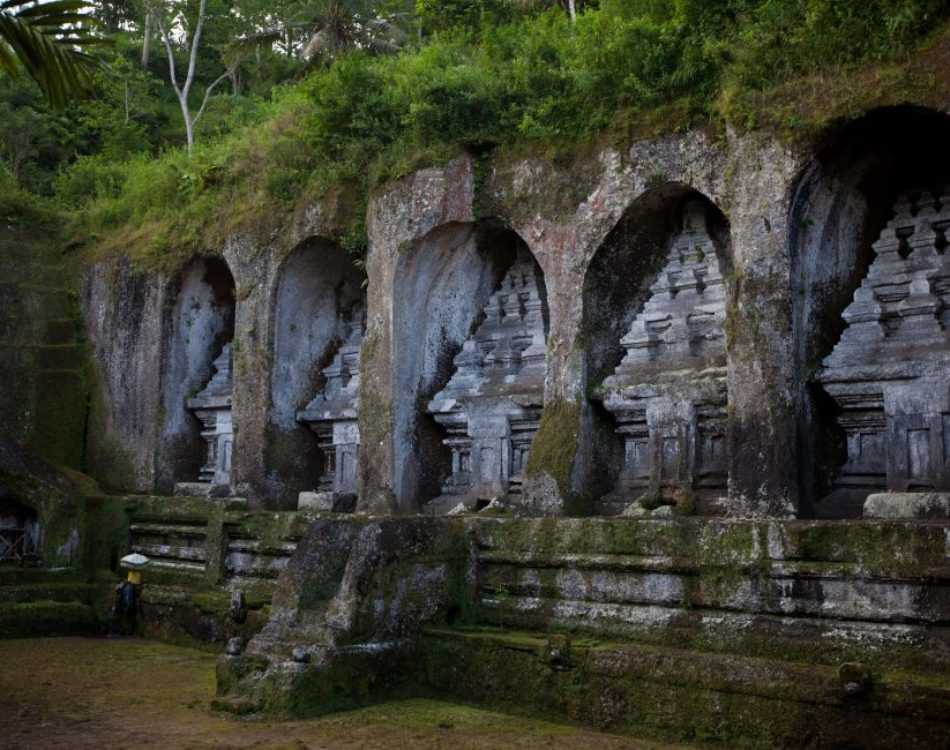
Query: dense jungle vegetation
{"points": [[314, 98]]}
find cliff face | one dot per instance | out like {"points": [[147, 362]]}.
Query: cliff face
{"points": [[789, 225], [43, 362]]}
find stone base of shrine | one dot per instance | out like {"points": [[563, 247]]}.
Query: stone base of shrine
{"points": [[337, 502], [930, 506], [202, 489]]}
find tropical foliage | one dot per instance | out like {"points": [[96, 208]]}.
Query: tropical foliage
{"points": [[331, 97], [48, 40]]}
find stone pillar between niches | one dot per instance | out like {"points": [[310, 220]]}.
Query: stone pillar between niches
{"points": [[761, 371]]}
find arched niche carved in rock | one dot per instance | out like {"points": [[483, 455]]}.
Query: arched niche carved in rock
{"points": [[469, 331], [318, 322], [654, 315], [196, 430], [869, 265]]}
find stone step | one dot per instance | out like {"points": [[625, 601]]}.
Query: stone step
{"points": [[158, 529], [795, 589], [168, 555], [822, 640], [889, 548], [685, 694]]}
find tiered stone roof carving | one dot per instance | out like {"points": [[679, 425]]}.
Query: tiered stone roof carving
{"points": [[669, 394], [890, 371], [332, 415], [492, 404], [213, 407]]}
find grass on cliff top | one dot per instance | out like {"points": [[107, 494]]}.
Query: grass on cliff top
{"points": [[92, 693], [537, 85]]}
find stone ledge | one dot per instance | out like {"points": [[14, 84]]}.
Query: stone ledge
{"points": [[733, 700], [929, 506]]}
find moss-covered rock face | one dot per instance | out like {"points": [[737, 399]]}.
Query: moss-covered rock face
{"points": [[44, 363], [621, 623]]}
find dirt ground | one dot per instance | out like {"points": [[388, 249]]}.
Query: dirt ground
{"points": [[129, 693]]}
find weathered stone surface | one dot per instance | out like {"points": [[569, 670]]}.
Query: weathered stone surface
{"points": [[889, 371], [491, 406], [353, 594], [793, 225], [903, 505]]}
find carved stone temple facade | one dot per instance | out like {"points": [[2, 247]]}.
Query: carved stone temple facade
{"points": [[213, 407], [332, 415], [890, 371], [669, 394], [491, 406]]}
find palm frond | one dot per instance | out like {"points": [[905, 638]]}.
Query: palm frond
{"points": [[47, 39]]}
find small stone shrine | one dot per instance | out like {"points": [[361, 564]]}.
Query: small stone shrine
{"points": [[332, 415], [491, 407], [669, 394], [890, 371], [213, 407]]}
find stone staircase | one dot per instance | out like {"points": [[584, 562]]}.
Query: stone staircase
{"points": [[204, 551]]}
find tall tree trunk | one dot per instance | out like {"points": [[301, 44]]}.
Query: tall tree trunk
{"points": [[182, 91], [572, 9], [147, 39]]}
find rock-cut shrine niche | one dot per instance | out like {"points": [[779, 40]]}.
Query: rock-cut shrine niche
{"points": [[890, 371], [311, 438], [850, 286], [197, 388], [491, 406], [333, 417], [668, 395]]}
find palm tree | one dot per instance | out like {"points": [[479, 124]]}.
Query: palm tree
{"points": [[47, 40], [332, 26]]}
